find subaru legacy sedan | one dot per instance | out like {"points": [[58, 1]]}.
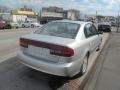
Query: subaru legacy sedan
{"points": [[60, 48]]}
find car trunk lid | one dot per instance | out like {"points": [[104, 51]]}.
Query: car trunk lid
{"points": [[46, 47]]}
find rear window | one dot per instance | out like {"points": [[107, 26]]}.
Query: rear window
{"points": [[59, 29]]}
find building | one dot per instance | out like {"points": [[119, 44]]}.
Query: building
{"points": [[57, 13], [73, 14], [23, 15], [6, 16], [52, 9], [50, 14]]}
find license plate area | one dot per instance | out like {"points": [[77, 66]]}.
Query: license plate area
{"points": [[42, 53]]}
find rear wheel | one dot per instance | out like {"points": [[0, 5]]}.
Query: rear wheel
{"points": [[110, 30], [98, 48], [23, 26], [83, 68], [32, 26], [8, 27], [17, 27], [84, 65]]}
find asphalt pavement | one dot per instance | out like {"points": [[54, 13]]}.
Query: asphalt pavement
{"points": [[9, 41], [106, 74], [16, 76]]}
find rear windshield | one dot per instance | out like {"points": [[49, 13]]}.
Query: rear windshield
{"points": [[59, 29]]}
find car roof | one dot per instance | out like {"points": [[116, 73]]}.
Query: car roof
{"points": [[71, 21]]}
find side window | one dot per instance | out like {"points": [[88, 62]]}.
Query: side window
{"points": [[88, 30], [94, 30]]}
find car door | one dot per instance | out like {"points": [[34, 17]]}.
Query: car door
{"points": [[90, 36], [96, 35]]}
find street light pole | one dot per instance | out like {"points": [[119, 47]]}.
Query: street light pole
{"points": [[96, 16]]}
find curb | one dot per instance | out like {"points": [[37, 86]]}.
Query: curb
{"points": [[84, 80], [79, 83]]}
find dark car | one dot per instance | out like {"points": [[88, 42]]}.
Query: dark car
{"points": [[105, 27], [4, 25]]}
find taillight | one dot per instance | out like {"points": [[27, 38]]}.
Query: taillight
{"points": [[23, 42], [64, 51]]}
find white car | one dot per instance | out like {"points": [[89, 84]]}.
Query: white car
{"points": [[35, 24], [60, 47], [14, 25], [30, 24]]}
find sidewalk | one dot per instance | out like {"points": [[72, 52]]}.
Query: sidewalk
{"points": [[106, 75]]}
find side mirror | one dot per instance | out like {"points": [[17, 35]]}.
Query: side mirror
{"points": [[100, 32]]}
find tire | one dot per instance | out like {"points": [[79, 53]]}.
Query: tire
{"points": [[98, 48], [110, 30], [23, 26], [8, 27], [82, 72], [84, 65], [32, 26]]}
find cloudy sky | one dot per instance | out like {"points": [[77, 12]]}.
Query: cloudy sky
{"points": [[103, 7]]}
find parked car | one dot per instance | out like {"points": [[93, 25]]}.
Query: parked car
{"points": [[14, 25], [35, 24], [30, 24], [4, 25], [105, 27], [60, 47], [25, 24]]}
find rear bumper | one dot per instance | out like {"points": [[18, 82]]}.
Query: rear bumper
{"points": [[104, 29], [59, 69]]}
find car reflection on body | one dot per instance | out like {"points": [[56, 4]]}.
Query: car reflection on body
{"points": [[60, 48]]}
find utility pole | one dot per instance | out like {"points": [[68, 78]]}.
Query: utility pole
{"points": [[118, 22], [96, 15], [40, 17]]}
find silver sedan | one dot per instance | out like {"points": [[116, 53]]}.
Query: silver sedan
{"points": [[60, 47]]}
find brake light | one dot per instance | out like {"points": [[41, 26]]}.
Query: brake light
{"points": [[64, 51], [23, 42]]}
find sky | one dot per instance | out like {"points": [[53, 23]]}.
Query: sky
{"points": [[103, 7]]}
